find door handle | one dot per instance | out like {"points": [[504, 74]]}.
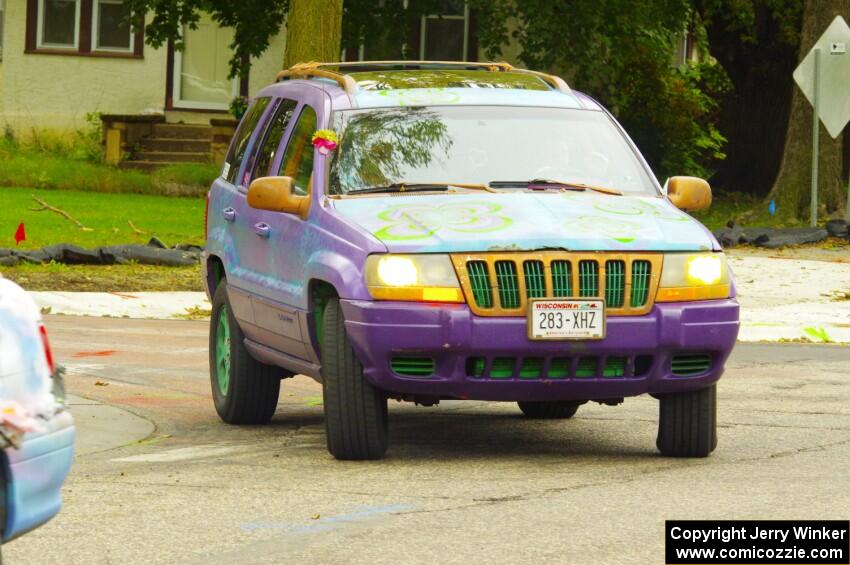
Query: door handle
{"points": [[229, 214], [262, 229]]}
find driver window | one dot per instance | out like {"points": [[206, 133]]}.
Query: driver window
{"points": [[297, 161]]}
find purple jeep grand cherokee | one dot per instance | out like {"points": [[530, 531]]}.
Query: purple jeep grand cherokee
{"points": [[428, 231]]}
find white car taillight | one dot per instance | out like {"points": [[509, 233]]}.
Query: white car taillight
{"points": [[45, 343]]}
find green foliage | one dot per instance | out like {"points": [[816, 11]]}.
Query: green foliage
{"points": [[254, 23], [819, 334], [174, 220], [238, 107], [621, 53], [741, 17]]}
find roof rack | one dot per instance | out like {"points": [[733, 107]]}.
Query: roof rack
{"points": [[312, 69], [320, 70]]}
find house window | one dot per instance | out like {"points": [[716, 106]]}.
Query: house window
{"points": [[445, 36], [59, 23], [98, 28], [449, 34], [111, 26]]}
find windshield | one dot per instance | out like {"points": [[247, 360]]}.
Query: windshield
{"points": [[482, 144]]}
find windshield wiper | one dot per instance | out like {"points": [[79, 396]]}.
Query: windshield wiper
{"points": [[559, 184], [420, 187], [403, 187]]}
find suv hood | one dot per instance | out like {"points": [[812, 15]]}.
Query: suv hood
{"points": [[476, 222]]}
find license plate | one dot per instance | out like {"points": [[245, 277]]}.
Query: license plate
{"points": [[566, 319]]}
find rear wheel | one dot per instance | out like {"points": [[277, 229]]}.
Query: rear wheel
{"points": [[687, 424], [355, 412], [549, 410], [244, 390]]}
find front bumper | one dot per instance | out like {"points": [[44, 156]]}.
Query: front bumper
{"points": [[35, 473], [454, 338]]}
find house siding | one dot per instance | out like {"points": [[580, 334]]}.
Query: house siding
{"points": [[55, 92]]}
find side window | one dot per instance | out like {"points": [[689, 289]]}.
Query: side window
{"points": [[241, 139], [297, 161], [274, 135]]}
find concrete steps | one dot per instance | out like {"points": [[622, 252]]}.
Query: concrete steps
{"points": [[172, 144], [173, 156], [175, 145], [147, 166]]}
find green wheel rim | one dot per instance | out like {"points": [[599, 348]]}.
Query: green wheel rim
{"points": [[222, 351]]}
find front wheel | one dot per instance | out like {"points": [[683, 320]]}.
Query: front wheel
{"points": [[687, 424], [549, 410], [244, 390], [355, 411]]}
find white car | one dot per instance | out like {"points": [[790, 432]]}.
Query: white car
{"points": [[36, 432]]}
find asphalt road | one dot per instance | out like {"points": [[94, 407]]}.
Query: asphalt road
{"points": [[162, 480]]}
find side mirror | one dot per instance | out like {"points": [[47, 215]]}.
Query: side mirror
{"points": [[276, 194], [689, 193]]}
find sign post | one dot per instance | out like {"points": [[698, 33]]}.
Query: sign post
{"points": [[823, 76], [813, 214]]}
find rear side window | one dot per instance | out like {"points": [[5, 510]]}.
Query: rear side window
{"points": [[242, 138], [274, 135], [297, 161]]}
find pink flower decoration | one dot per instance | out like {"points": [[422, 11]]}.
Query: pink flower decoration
{"points": [[325, 141], [325, 146]]}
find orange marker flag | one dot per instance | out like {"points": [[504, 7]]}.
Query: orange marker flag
{"points": [[20, 234]]}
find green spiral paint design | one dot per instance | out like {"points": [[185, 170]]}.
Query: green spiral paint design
{"points": [[412, 222]]}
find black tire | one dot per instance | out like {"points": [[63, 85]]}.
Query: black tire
{"points": [[549, 410], [355, 412], [253, 388], [687, 424]]}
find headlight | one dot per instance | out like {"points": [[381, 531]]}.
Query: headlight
{"points": [[424, 278], [693, 276]]}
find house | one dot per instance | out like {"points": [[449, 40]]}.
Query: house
{"points": [[65, 59]]}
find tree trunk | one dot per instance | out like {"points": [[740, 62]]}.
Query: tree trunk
{"points": [[313, 31], [754, 114], [792, 189]]}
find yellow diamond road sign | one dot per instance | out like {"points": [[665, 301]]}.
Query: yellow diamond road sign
{"points": [[834, 72]]}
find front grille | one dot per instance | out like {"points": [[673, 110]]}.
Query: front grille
{"points": [[501, 284], [527, 368]]}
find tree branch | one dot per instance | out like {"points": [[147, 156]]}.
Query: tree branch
{"points": [[63, 213]]}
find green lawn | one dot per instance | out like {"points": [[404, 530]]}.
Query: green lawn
{"points": [[745, 210], [172, 219], [64, 165]]}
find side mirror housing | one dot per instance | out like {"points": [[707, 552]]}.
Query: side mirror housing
{"points": [[276, 195], [689, 193]]}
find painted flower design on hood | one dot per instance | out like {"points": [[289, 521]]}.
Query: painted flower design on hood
{"points": [[421, 221]]}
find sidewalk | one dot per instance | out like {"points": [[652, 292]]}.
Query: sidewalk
{"points": [[101, 427], [781, 299]]}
